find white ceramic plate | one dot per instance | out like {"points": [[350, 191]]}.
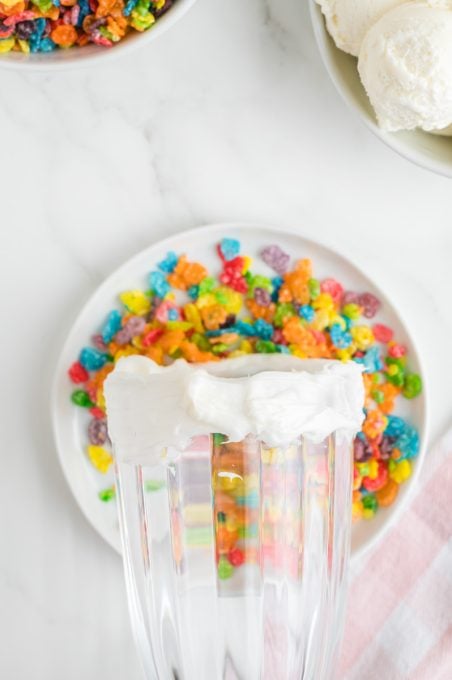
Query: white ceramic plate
{"points": [[433, 152], [70, 422]]}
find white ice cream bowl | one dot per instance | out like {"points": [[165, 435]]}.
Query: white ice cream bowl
{"points": [[429, 151], [89, 55]]}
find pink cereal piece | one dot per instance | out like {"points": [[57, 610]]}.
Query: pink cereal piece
{"points": [[16, 18], [97, 413], [370, 304], [382, 333], [349, 298], [334, 288], [98, 343], [75, 13], [397, 351]]}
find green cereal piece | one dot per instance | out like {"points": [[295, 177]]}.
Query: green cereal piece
{"points": [[284, 310], [107, 495], [314, 288], [266, 347]]}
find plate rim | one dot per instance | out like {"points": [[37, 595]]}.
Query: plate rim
{"points": [[112, 537]]}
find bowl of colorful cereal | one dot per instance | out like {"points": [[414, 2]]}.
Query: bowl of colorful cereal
{"points": [[49, 34], [225, 291]]}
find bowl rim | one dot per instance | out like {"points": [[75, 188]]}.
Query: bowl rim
{"points": [[390, 139], [44, 63]]}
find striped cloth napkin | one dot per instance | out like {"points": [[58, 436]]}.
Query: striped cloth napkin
{"points": [[399, 619]]}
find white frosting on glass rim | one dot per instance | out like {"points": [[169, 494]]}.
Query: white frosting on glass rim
{"points": [[277, 398]]}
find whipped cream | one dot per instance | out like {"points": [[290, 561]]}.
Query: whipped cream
{"points": [[277, 398]]}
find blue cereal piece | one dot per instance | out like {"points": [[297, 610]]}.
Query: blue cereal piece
{"points": [[277, 282], [307, 312], [229, 248], [167, 265], [395, 427], [283, 349], [340, 338], [111, 326], [158, 284], [371, 361], [263, 329], [408, 442], [92, 359], [193, 292], [244, 328]]}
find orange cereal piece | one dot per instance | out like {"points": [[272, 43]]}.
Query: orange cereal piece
{"points": [[225, 539], [64, 35], [193, 354], [170, 341], [104, 8], [375, 423], [156, 354], [295, 333], [390, 393], [226, 338], [387, 495], [295, 286], [259, 312], [186, 274], [6, 11], [214, 316]]}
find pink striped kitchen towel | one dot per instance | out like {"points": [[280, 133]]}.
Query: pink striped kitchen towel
{"points": [[399, 619]]}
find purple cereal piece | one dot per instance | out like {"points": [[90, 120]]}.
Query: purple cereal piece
{"points": [[135, 325], [386, 447], [97, 432], [370, 304], [276, 258], [350, 298], [123, 336], [262, 297], [362, 451], [99, 343]]}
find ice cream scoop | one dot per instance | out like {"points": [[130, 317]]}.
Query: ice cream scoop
{"points": [[405, 65], [349, 20]]}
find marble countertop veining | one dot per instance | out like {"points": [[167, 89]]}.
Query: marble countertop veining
{"points": [[230, 116]]}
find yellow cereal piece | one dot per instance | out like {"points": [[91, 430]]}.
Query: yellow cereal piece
{"points": [[401, 471], [247, 262], [344, 354], [368, 513], [24, 46], [324, 301], [246, 347], [7, 44], [100, 399], [297, 352], [321, 320], [206, 300], [363, 337], [136, 301], [192, 315], [357, 510], [230, 299], [338, 320], [124, 352], [100, 458]]}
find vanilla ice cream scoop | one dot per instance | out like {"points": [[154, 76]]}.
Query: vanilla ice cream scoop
{"points": [[349, 20], [405, 65]]}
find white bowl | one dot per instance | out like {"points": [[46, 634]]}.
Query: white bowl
{"points": [[76, 57], [432, 152]]}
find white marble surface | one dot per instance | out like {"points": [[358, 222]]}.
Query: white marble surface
{"points": [[230, 116]]}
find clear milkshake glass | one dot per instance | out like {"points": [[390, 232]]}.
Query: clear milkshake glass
{"points": [[236, 548]]}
